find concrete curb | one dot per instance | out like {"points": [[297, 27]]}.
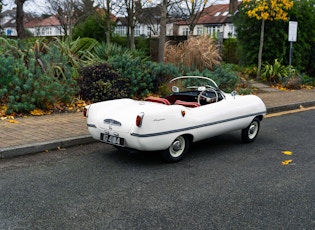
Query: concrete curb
{"points": [[282, 108], [43, 146]]}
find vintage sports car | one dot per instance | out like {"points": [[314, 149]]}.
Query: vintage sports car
{"points": [[196, 109]]}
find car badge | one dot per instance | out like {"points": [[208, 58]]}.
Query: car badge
{"points": [[183, 113], [112, 122]]}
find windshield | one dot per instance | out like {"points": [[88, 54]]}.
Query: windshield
{"points": [[191, 83]]}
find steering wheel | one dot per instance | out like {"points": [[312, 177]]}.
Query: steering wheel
{"points": [[208, 99]]}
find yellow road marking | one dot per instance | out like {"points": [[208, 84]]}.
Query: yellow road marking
{"points": [[301, 109]]}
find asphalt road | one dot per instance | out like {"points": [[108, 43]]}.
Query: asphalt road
{"points": [[221, 184]]}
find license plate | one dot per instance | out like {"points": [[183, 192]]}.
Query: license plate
{"points": [[113, 140]]}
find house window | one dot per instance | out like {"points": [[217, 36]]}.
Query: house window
{"points": [[48, 31], [37, 31], [199, 30], [225, 13], [185, 31], [137, 30], [60, 30], [149, 31], [213, 31], [121, 30]]}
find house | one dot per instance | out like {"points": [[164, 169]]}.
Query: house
{"points": [[7, 16], [45, 27], [215, 21], [37, 26], [147, 23]]}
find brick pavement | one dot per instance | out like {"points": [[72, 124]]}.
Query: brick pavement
{"points": [[35, 129], [56, 128]]}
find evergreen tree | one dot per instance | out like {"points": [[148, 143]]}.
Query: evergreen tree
{"points": [[304, 48], [266, 10]]}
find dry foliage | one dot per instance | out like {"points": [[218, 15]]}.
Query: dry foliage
{"points": [[199, 52]]}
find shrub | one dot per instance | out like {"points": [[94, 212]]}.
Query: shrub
{"points": [[161, 74], [306, 80], [93, 27], [276, 73], [133, 69], [102, 52], [224, 75], [35, 77], [229, 51], [100, 83], [197, 52]]}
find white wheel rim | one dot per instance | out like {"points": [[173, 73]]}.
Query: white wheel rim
{"points": [[177, 147], [253, 130]]}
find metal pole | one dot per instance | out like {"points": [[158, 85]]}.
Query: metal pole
{"points": [[291, 53]]}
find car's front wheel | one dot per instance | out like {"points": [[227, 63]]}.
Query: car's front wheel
{"points": [[177, 149], [250, 132]]}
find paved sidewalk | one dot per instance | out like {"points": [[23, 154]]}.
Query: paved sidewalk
{"points": [[42, 133]]}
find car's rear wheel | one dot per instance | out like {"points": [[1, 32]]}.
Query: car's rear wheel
{"points": [[250, 132], [177, 149]]}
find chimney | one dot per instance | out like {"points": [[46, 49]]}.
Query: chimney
{"points": [[233, 6]]}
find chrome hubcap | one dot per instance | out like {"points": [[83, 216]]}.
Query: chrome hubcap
{"points": [[252, 131], [176, 146]]}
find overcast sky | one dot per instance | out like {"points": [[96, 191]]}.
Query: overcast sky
{"points": [[39, 6], [30, 6]]}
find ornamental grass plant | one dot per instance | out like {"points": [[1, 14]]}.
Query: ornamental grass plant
{"points": [[196, 52]]}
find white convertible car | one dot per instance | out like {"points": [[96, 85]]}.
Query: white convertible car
{"points": [[196, 109]]}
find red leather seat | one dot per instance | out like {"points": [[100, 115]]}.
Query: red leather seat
{"points": [[187, 104], [158, 100]]}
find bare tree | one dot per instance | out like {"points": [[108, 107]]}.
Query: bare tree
{"points": [[162, 31], [131, 20], [70, 12], [132, 9], [1, 4], [192, 10], [20, 18], [109, 6], [189, 9]]}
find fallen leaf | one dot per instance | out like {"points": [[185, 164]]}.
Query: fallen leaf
{"points": [[37, 112], [287, 152], [80, 103], [286, 162], [13, 121]]}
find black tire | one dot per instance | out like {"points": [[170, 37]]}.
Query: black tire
{"points": [[177, 150], [250, 133]]}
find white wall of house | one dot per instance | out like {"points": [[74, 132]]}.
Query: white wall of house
{"points": [[10, 31], [48, 31], [140, 30], [228, 30], [169, 29]]}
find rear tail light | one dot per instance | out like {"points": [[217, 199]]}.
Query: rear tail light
{"points": [[139, 119], [85, 111]]}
